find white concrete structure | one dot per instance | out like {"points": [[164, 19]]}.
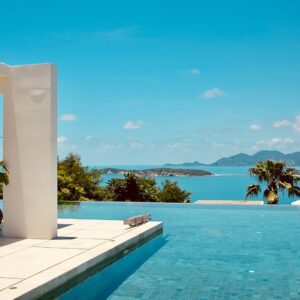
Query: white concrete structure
{"points": [[230, 202], [30, 121], [81, 245], [297, 202]]}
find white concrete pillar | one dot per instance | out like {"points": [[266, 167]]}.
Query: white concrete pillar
{"points": [[30, 150]]}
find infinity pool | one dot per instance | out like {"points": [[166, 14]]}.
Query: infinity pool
{"points": [[206, 252]]}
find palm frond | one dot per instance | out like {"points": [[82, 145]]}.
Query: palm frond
{"points": [[253, 190], [284, 185], [3, 166], [4, 179], [294, 191], [260, 172]]}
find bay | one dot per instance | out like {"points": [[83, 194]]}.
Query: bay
{"points": [[228, 183]]}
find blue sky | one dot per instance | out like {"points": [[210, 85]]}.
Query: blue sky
{"points": [[148, 82]]}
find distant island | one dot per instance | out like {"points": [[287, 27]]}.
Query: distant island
{"points": [[242, 159], [186, 164], [159, 172]]}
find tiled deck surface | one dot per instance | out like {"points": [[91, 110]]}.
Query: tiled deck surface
{"points": [[234, 202], [30, 268]]}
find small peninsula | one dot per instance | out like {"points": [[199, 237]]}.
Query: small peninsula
{"points": [[169, 172]]}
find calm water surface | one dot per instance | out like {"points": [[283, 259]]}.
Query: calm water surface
{"points": [[206, 252]]}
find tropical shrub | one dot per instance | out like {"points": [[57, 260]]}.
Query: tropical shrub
{"points": [[144, 189], [132, 188], [171, 192]]}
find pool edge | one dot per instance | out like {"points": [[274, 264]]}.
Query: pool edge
{"points": [[54, 281]]}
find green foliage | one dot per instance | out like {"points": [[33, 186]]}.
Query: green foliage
{"points": [[144, 189], [4, 179], [132, 188], [78, 183], [277, 176], [171, 192]]}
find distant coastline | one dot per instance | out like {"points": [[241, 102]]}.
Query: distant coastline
{"points": [[168, 172], [186, 164], [242, 159]]}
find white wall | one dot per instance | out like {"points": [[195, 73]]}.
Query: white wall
{"points": [[30, 133]]}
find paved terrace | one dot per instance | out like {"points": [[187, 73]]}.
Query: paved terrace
{"points": [[29, 268]]}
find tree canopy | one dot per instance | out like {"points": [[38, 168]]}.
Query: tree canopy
{"points": [[171, 192], [76, 182], [132, 188]]}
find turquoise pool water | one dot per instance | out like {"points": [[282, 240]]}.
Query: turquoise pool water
{"points": [[206, 252]]}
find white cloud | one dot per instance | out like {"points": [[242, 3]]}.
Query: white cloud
{"points": [[194, 72], [279, 141], [213, 93], [255, 127], [133, 124], [88, 137], [275, 142], [296, 125], [61, 139], [68, 117], [281, 123]]}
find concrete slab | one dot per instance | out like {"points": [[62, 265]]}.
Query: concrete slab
{"points": [[297, 202], [95, 234], [9, 250], [71, 243], [6, 282], [31, 260], [31, 268], [230, 202]]}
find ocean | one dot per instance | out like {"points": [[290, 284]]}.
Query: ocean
{"points": [[229, 183]]}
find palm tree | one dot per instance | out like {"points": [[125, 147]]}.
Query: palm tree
{"points": [[4, 174], [277, 176]]}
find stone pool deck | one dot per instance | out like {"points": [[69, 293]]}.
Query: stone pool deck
{"points": [[30, 268], [230, 202]]}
